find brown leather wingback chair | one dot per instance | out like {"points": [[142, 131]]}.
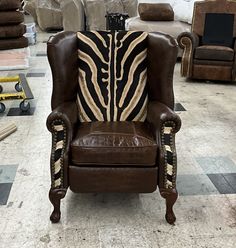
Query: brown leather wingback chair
{"points": [[209, 60], [112, 122]]}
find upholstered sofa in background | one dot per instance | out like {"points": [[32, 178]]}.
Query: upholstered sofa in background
{"points": [[183, 11], [210, 50]]}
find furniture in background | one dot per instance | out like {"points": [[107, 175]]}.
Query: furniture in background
{"points": [[14, 51], [96, 10], [77, 15], [46, 13], [73, 16], [209, 50], [12, 28], [113, 125], [173, 28], [154, 17]]}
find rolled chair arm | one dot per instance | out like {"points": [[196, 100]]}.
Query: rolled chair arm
{"points": [[158, 114], [165, 123], [61, 123], [67, 113], [188, 42]]}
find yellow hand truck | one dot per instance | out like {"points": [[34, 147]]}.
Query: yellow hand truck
{"points": [[23, 92]]}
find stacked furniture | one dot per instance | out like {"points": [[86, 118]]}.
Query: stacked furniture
{"points": [[75, 15], [11, 27]]}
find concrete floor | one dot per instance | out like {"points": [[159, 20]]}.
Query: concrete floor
{"points": [[206, 212]]}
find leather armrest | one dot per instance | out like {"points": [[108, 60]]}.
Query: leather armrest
{"points": [[62, 124], [194, 39], [66, 113], [158, 114], [188, 42], [165, 123]]}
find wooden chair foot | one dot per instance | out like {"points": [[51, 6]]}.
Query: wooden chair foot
{"points": [[55, 196], [171, 196]]}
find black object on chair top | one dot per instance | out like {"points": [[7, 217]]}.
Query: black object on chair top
{"points": [[218, 29]]}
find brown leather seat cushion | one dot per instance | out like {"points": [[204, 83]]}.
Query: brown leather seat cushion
{"points": [[12, 31], [214, 53], [11, 17], [13, 43], [9, 4], [114, 143]]}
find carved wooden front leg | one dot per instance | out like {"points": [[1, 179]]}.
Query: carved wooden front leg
{"points": [[58, 187], [168, 186], [171, 196], [55, 196]]}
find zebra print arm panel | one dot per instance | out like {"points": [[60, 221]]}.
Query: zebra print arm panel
{"points": [[165, 123], [62, 123], [59, 137], [170, 156]]}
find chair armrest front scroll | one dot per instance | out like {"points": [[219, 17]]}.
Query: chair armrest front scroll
{"points": [[165, 123], [62, 124], [188, 42]]}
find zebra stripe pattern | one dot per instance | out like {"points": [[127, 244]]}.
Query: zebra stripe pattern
{"points": [[112, 76], [58, 146], [167, 142]]}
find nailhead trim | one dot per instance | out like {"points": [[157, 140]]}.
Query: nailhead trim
{"points": [[169, 184], [54, 144]]}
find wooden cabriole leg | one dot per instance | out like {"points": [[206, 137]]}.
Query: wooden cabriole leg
{"points": [[55, 196], [171, 196]]}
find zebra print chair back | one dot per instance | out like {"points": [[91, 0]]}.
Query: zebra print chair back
{"points": [[112, 76]]}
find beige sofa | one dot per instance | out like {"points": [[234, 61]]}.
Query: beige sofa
{"points": [[183, 12], [173, 28]]}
